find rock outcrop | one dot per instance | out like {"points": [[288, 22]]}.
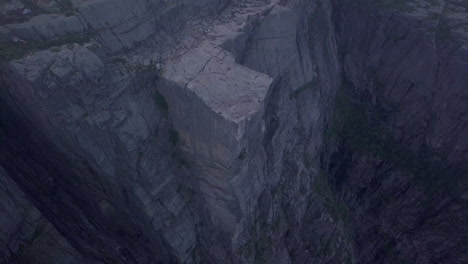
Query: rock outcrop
{"points": [[220, 131]]}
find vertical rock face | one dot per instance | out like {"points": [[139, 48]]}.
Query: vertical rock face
{"points": [[228, 132], [27, 237], [218, 110], [404, 178]]}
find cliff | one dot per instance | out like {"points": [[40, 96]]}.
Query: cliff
{"points": [[400, 164], [223, 131]]}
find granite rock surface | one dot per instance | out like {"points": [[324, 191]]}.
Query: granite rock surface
{"points": [[215, 131]]}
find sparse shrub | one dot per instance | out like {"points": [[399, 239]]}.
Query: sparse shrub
{"points": [[308, 160], [335, 208], [362, 127], [243, 154], [308, 86], [16, 50], [9, 52], [65, 6], [161, 102], [118, 60], [173, 137], [55, 49], [69, 13]]}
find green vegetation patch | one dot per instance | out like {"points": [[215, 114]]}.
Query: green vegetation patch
{"points": [[161, 102], [16, 50], [180, 161], [243, 154], [444, 31], [337, 209], [118, 60], [65, 6], [308, 160], [262, 248], [362, 127], [174, 137], [16, 16], [401, 5], [308, 86]]}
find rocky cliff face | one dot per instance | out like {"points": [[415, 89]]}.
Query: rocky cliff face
{"points": [[230, 131], [27, 236], [401, 161]]}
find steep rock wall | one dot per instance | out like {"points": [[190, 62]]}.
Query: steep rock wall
{"points": [[27, 237], [400, 122]]}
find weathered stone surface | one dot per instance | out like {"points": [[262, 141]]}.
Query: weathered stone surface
{"points": [[216, 106], [25, 235], [19, 217], [46, 27], [193, 131]]}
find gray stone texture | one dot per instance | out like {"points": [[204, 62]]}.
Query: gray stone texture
{"points": [[196, 132]]}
